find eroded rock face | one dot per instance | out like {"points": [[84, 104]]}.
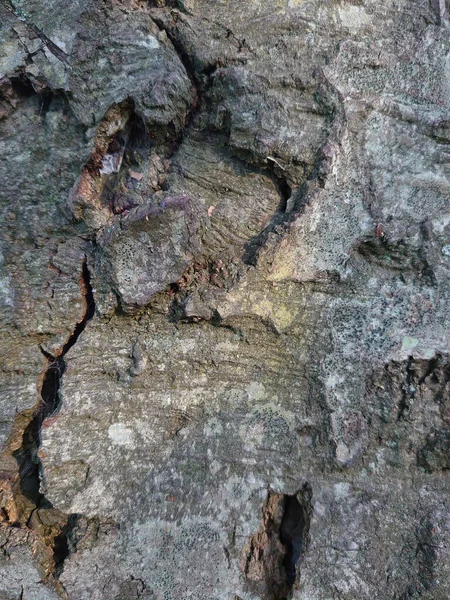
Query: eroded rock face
{"points": [[224, 275]]}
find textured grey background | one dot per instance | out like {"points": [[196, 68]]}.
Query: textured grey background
{"points": [[224, 300]]}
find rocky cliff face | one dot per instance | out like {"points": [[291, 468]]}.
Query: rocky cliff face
{"points": [[224, 299]]}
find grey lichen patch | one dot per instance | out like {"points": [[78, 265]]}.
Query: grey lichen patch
{"points": [[350, 437], [268, 426]]}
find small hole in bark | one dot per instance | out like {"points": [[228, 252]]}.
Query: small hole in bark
{"points": [[22, 87], [285, 193], [46, 98], [62, 544], [292, 535], [271, 557]]}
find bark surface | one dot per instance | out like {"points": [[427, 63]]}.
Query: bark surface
{"points": [[224, 300]]}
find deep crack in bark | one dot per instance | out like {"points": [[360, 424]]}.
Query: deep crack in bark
{"points": [[293, 202], [408, 391], [272, 555], [30, 467]]}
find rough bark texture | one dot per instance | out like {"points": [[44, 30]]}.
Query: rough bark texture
{"points": [[224, 299]]}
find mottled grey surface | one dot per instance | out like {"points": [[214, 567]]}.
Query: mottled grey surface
{"points": [[224, 300]]}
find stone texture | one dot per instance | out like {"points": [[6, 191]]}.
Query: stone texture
{"points": [[224, 300]]}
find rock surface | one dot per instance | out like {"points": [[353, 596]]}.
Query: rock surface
{"points": [[224, 300]]}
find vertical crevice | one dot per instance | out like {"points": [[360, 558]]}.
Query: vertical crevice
{"points": [[285, 192], [426, 555], [408, 392], [294, 530], [63, 543], [179, 48], [272, 556], [27, 456], [89, 309]]}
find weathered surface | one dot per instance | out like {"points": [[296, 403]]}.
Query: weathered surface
{"points": [[224, 299]]}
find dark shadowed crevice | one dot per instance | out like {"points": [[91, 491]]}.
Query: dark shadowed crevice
{"points": [[292, 535], [285, 191], [62, 544], [34, 31], [18, 89], [253, 247], [89, 305], [163, 3], [54, 49], [200, 82], [46, 97], [439, 10], [408, 392], [293, 202], [50, 403], [177, 42], [180, 50], [272, 556], [21, 86], [27, 457], [426, 553], [280, 219], [423, 581]]}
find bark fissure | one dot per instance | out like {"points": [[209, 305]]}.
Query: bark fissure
{"points": [[27, 456], [272, 555], [408, 392]]}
